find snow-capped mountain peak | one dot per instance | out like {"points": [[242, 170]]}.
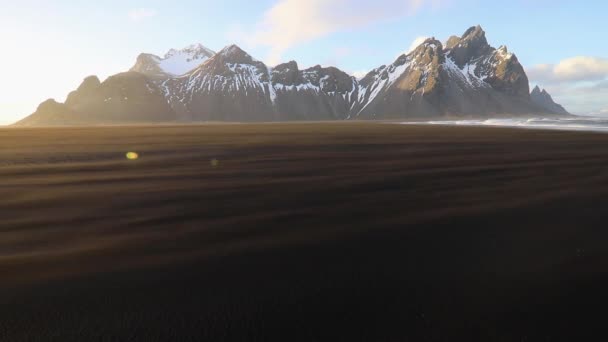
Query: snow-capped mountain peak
{"points": [[232, 50], [179, 62], [234, 54], [174, 63], [194, 51]]}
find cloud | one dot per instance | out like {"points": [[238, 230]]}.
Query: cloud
{"points": [[139, 14], [579, 83], [292, 22], [580, 97], [580, 68]]}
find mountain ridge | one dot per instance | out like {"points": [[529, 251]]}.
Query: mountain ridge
{"points": [[467, 77]]}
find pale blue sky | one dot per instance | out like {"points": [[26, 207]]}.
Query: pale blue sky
{"points": [[49, 47]]}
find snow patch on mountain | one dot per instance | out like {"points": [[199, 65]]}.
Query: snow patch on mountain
{"points": [[179, 62], [466, 75], [174, 63], [384, 78]]}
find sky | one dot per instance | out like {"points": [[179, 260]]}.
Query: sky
{"points": [[49, 47]]}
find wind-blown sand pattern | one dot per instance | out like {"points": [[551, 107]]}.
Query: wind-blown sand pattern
{"points": [[302, 232]]}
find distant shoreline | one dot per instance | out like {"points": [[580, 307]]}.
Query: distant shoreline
{"points": [[577, 123]]}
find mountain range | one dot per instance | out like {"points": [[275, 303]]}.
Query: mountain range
{"points": [[465, 77]]}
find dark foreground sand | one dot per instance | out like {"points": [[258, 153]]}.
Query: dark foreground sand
{"points": [[303, 232]]}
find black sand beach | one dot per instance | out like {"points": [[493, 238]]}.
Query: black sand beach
{"points": [[303, 232]]}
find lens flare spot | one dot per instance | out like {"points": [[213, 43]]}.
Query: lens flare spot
{"points": [[215, 163], [132, 155]]}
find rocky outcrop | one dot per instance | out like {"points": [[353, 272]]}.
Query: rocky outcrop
{"points": [[316, 93], [545, 101]]}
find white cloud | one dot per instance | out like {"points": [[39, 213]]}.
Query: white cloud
{"points": [[580, 98], [139, 14], [292, 22], [579, 83], [580, 68]]}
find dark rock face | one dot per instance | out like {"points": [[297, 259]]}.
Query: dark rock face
{"points": [[466, 77], [452, 41], [471, 46], [499, 68], [545, 101], [287, 74], [316, 93]]}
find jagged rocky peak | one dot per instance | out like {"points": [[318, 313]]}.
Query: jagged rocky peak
{"points": [[503, 54], [504, 51], [539, 92], [472, 45], [482, 65], [231, 61], [326, 79], [234, 54], [426, 62], [191, 52], [506, 74], [287, 74], [426, 53], [329, 79], [475, 33], [545, 101], [451, 42]]}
